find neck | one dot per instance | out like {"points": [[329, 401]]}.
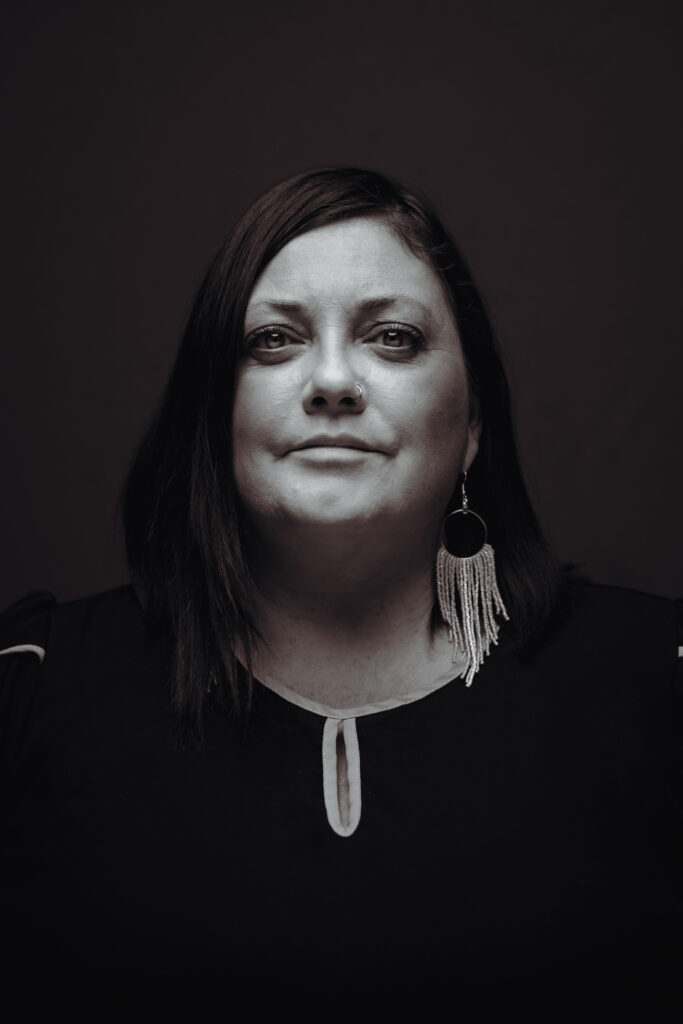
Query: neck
{"points": [[348, 623], [343, 579]]}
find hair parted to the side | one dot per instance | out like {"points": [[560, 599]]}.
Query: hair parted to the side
{"points": [[184, 540]]}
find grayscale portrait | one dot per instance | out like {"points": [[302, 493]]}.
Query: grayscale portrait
{"points": [[340, 661]]}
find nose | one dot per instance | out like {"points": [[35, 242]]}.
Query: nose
{"points": [[332, 386]]}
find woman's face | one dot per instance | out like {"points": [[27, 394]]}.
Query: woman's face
{"points": [[342, 305]]}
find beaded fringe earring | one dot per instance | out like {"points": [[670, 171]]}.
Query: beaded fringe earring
{"points": [[467, 588]]}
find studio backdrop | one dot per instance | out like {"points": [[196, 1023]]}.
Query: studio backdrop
{"points": [[547, 135]]}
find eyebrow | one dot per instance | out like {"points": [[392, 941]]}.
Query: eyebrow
{"points": [[374, 305]]}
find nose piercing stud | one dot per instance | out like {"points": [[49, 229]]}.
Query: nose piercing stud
{"points": [[359, 389]]}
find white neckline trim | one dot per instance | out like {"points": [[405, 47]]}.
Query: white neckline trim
{"points": [[340, 714], [341, 785], [341, 750]]}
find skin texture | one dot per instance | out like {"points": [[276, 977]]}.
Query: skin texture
{"points": [[299, 380], [345, 535]]}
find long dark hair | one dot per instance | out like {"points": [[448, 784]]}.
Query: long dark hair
{"points": [[184, 539]]}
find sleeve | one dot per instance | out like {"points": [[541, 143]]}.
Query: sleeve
{"points": [[24, 641], [678, 684], [678, 696]]}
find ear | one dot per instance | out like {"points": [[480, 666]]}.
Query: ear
{"points": [[472, 446]]}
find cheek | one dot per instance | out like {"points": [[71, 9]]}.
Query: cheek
{"points": [[247, 419], [246, 410], [440, 437], [445, 414], [252, 418], [259, 416], [261, 407]]}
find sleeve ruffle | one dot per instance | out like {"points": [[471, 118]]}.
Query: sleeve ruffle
{"points": [[24, 624]]}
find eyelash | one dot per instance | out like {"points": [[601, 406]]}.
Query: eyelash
{"points": [[415, 336], [418, 341], [263, 332]]}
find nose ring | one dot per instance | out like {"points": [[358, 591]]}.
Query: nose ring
{"points": [[359, 389]]}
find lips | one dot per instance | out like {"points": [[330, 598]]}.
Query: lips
{"points": [[335, 441]]}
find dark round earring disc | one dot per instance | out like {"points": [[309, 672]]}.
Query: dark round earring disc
{"points": [[464, 533]]}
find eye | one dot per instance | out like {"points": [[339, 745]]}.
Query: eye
{"points": [[272, 343], [396, 339], [400, 338], [269, 338]]}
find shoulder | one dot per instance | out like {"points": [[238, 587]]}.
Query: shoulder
{"points": [[24, 625], [97, 663], [616, 640], [606, 637], [37, 625], [616, 613], [58, 655], [612, 599]]}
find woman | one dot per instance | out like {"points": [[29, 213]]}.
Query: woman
{"points": [[352, 729]]}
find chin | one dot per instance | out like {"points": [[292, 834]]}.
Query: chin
{"points": [[320, 514]]}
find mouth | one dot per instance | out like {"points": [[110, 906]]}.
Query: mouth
{"points": [[331, 441]]}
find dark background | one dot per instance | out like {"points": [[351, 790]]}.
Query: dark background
{"points": [[548, 134]]}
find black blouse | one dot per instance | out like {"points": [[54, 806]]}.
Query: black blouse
{"points": [[526, 831]]}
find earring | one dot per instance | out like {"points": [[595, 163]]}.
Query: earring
{"points": [[466, 584]]}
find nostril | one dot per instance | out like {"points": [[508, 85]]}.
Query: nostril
{"points": [[318, 401]]}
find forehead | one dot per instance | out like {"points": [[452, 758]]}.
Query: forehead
{"points": [[347, 262]]}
